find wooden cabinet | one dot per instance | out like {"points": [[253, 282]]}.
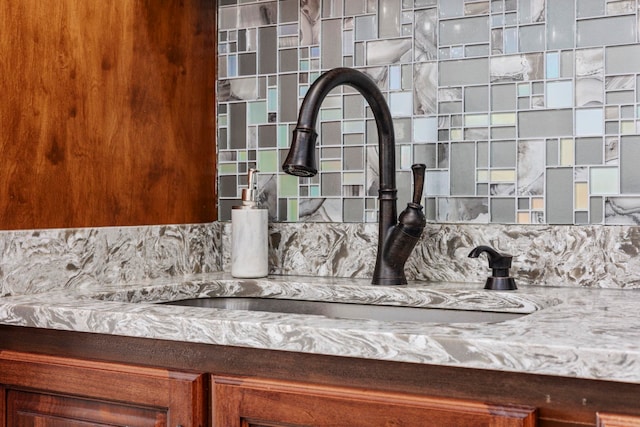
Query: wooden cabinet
{"points": [[245, 402], [48, 391]]}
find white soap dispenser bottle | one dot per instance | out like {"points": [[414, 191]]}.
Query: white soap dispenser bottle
{"points": [[249, 235]]}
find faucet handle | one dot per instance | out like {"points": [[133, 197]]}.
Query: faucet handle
{"points": [[418, 181], [499, 264]]}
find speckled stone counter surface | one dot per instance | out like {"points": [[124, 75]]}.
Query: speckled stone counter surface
{"points": [[584, 333]]}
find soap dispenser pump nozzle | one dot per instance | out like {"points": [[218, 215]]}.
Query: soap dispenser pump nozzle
{"points": [[249, 193]]}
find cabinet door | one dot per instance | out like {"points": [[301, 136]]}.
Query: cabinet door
{"points": [[244, 402], [29, 409], [617, 420], [47, 391]]}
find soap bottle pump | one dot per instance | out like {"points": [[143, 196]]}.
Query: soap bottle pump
{"points": [[249, 234]]}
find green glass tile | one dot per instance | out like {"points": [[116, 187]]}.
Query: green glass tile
{"points": [[257, 112], [304, 65], [242, 156], [353, 178], [314, 191], [283, 136], [331, 114], [476, 120], [604, 181], [222, 120], [302, 91], [268, 160], [330, 165], [292, 210], [287, 185], [503, 119], [228, 168], [272, 99], [524, 89]]}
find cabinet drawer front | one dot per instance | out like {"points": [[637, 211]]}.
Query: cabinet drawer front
{"points": [[241, 402]]}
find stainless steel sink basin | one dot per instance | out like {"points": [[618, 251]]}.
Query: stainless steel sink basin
{"points": [[350, 311]]}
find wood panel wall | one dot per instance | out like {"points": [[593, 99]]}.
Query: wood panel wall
{"points": [[107, 112]]}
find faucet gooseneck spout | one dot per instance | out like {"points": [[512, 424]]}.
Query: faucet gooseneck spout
{"points": [[395, 241]]}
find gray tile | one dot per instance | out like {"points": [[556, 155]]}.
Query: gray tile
{"points": [[331, 37], [464, 31], [534, 124], [596, 210], [560, 24], [503, 154], [288, 98], [612, 30], [503, 210], [622, 59], [476, 99], [425, 153], [559, 197], [503, 97], [238, 125], [389, 18], [288, 11], [353, 210], [629, 170], [267, 50], [589, 151], [288, 60], [462, 162], [464, 72], [531, 38]]}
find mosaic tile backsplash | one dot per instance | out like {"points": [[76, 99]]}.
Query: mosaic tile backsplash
{"points": [[524, 111]]}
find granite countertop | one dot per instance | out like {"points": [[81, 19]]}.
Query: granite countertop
{"points": [[572, 332]]}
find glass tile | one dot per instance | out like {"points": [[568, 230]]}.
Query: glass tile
{"points": [[482, 175], [503, 119], [596, 210], [395, 77], [537, 203], [330, 184], [272, 99], [589, 151], [553, 65], [389, 18], [604, 181], [268, 161], [353, 210], [590, 121], [503, 210], [292, 210], [476, 120], [503, 175], [353, 126], [510, 40], [559, 197], [353, 178], [533, 124], [228, 168], [437, 183], [566, 152], [523, 218], [606, 31], [462, 160], [330, 165], [629, 170], [559, 94], [560, 24], [401, 103], [503, 154], [257, 112], [287, 185], [463, 72], [330, 114], [331, 36], [425, 129], [581, 195]]}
